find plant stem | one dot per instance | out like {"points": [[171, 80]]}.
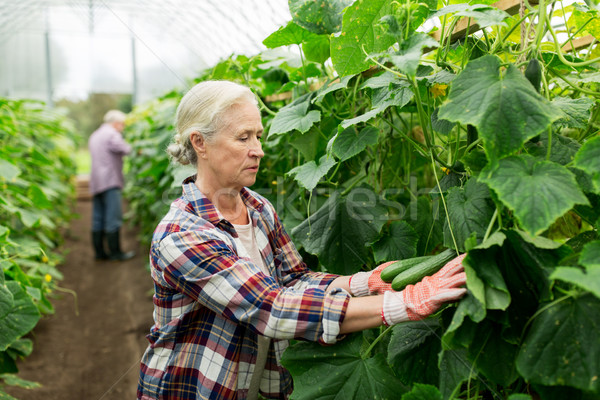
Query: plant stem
{"points": [[264, 107], [443, 201], [490, 225], [425, 125], [71, 292], [574, 86], [559, 50], [539, 34], [367, 352], [417, 145], [549, 150]]}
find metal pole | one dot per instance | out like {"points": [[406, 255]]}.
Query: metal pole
{"points": [[134, 88], [49, 85], [134, 93], [91, 16]]}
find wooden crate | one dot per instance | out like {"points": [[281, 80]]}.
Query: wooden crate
{"points": [[465, 25], [578, 43]]}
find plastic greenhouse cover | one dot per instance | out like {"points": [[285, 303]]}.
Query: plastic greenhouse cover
{"points": [[96, 45]]}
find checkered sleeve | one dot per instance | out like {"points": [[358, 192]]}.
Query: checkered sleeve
{"points": [[205, 267], [294, 271]]}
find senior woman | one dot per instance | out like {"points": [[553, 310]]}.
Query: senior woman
{"points": [[230, 287]]}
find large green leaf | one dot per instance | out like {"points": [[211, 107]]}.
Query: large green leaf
{"points": [[397, 94], [537, 191], [413, 351], [309, 144], [38, 197], [340, 231], [318, 16], [20, 319], [493, 356], [340, 372], [482, 268], [398, 244], [423, 392], [455, 369], [287, 35], [562, 393], [351, 142], [588, 16], [590, 255], [563, 345], [588, 279], [519, 396], [483, 14], [501, 104], [13, 380], [425, 219], [407, 58], [332, 87], [6, 300], [360, 30], [575, 112], [588, 159], [294, 116], [308, 175], [562, 151], [7, 364], [8, 170], [470, 210], [315, 47]]}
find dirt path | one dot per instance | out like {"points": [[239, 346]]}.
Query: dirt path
{"points": [[94, 355]]}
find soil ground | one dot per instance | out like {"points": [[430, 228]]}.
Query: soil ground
{"points": [[95, 354]]}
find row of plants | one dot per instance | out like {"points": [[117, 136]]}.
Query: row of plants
{"points": [[383, 143], [36, 178]]}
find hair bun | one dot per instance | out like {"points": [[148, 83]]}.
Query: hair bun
{"points": [[178, 153]]}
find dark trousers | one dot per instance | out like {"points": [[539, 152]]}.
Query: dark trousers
{"points": [[107, 215]]}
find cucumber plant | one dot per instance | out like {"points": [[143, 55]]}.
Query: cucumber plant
{"points": [[387, 141], [36, 200]]}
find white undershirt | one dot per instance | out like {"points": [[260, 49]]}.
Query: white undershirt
{"points": [[246, 236]]}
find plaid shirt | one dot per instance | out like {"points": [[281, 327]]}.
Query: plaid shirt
{"points": [[211, 302]]}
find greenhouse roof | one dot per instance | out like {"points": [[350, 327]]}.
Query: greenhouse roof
{"points": [[50, 49]]}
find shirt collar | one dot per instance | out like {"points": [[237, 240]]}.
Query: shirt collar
{"points": [[204, 208]]}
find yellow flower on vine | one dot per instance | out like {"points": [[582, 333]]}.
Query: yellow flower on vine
{"points": [[438, 89], [48, 278]]}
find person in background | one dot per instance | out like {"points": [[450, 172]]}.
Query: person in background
{"points": [[107, 148], [230, 288]]}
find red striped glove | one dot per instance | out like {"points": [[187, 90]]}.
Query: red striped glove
{"points": [[419, 301], [369, 282]]}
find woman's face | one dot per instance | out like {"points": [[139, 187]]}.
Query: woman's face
{"points": [[232, 158]]}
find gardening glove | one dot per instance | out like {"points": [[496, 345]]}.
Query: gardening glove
{"points": [[369, 282], [419, 301]]}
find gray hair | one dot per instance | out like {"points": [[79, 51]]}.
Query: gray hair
{"points": [[114, 116], [201, 110]]}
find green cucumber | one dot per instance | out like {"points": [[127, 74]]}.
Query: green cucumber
{"points": [[389, 273], [533, 73], [422, 269]]}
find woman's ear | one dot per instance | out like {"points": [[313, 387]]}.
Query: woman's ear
{"points": [[199, 144]]}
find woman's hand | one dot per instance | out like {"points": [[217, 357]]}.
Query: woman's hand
{"points": [[419, 301]]}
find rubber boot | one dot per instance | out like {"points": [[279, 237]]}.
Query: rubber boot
{"points": [[114, 246], [98, 242]]}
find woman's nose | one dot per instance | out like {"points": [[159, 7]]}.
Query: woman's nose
{"points": [[256, 149]]}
